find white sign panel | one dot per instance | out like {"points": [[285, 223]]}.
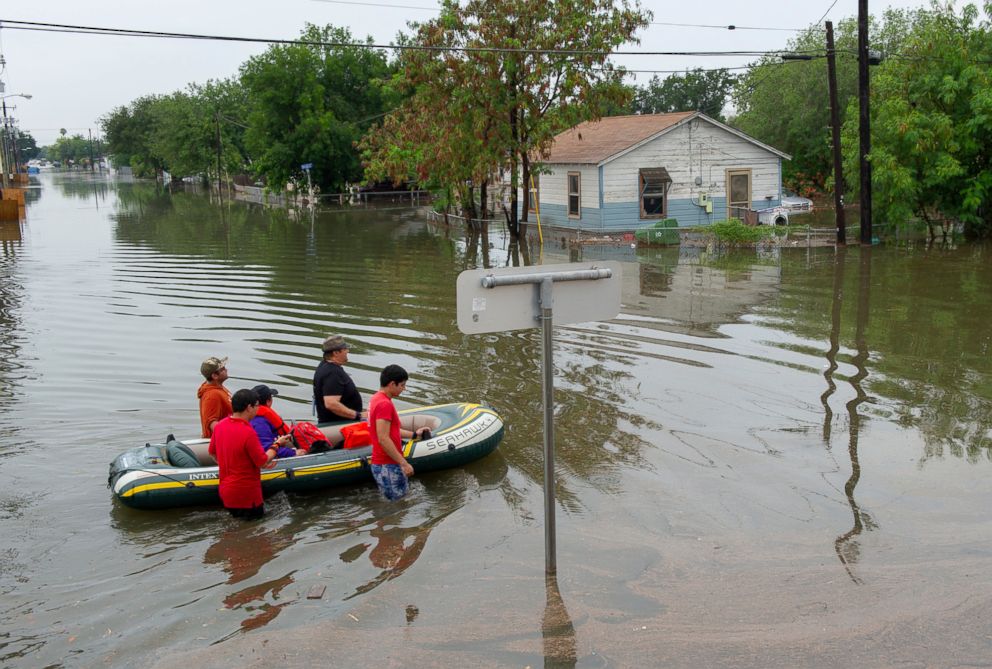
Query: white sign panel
{"points": [[517, 307]]}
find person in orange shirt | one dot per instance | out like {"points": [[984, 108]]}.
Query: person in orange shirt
{"points": [[215, 399]]}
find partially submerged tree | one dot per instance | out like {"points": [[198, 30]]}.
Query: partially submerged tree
{"points": [[492, 83], [932, 124], [129, 130], [310, 103], [786, 104]]}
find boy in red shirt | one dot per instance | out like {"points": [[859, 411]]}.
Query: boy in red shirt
{"points": [[240, 458], [389, 468]]}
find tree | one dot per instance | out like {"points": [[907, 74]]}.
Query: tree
{"points": [[130, 134], [786, 104], [26, 146], [702, 90], [932, 123], [75, 148], [496, 81], [310, 103]]}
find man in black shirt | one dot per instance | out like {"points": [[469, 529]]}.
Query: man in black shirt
{"points": [[335, 395]]}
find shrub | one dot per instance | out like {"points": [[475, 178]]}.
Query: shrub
{"points": [[732, 231]]}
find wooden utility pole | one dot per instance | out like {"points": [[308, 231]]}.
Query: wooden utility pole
{"points": [[220, 193], [835, 127], [864, 121]]}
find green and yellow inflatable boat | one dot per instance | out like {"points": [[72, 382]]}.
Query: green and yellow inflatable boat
{"points": [[160, 476]]}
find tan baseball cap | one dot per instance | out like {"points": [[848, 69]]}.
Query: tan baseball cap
{"points": [[211, 365]]}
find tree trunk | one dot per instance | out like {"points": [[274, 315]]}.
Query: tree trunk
{"points": [[511, 221], [926, 219], [484, 199], [468, 204]]}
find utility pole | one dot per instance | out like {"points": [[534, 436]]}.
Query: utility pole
{"points": [[864, 121], [92, 169], [219, 192], [4, 160], [835, 127]]}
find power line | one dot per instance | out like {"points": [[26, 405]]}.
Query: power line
{"points": [[128, 32], [653, 23], [834, 3]]}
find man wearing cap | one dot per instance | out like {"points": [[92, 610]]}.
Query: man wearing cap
{"points": [[215, 399], [334, 393], [269, 426]]}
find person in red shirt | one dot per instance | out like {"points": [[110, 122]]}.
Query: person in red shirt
{"points": [[240, 458], [389, 468], [215, 399]]}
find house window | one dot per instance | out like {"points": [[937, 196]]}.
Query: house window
{"points": [[653, 185], [574, 195], [532, 197], [738, 193]]}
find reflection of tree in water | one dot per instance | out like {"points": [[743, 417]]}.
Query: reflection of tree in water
{"points": [[241, 552], [94, 189], [930, 351]]}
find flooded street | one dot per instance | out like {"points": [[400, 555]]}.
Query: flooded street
{"points": [[767, 460]]}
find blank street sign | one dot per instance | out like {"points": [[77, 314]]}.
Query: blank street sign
{"points": [[516, 307]]}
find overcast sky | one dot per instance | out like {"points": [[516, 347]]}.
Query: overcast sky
{"points": [[74, 78]]}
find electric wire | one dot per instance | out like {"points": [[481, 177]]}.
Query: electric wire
{"points": [[653, 23], [129, 32]]}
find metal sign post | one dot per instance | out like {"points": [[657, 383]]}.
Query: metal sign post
{"points": [[585, 293]]}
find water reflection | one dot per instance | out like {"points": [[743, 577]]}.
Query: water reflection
{"points": [[557, 629], [846, 545], [837, 292], [12, 335], [241, 551]]}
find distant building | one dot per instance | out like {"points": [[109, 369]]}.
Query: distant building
{"points": [[622, 172]]}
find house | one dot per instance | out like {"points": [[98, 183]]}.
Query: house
{"points": [[622, 172]]}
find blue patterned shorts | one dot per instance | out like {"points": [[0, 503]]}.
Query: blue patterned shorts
{"points": [[392, 481]]}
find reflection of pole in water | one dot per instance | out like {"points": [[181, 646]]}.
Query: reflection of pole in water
{"points": [[557, 629], [846, 545], [837, 300]]}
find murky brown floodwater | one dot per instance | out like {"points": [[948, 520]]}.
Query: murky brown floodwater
{"points": [[766, 460]]}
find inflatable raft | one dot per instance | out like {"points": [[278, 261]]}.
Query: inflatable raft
{"points": [[150, 476]]}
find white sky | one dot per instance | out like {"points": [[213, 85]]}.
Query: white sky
{"points": [[74, 79]]}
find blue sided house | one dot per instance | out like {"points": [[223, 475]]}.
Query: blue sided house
{"points": [[623, 172]]}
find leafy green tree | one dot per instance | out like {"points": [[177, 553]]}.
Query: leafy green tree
{"points": [[310, 103], [495, 85], [787, 105], [932, 124], [183, 136], [74, 148], [26, 146], [702, 90], [129, 131]]}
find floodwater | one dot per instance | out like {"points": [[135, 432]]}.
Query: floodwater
{"points": [[768, 459]]}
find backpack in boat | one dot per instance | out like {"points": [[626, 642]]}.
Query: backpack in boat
{"points": [[356, 435], [308, 437]]}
